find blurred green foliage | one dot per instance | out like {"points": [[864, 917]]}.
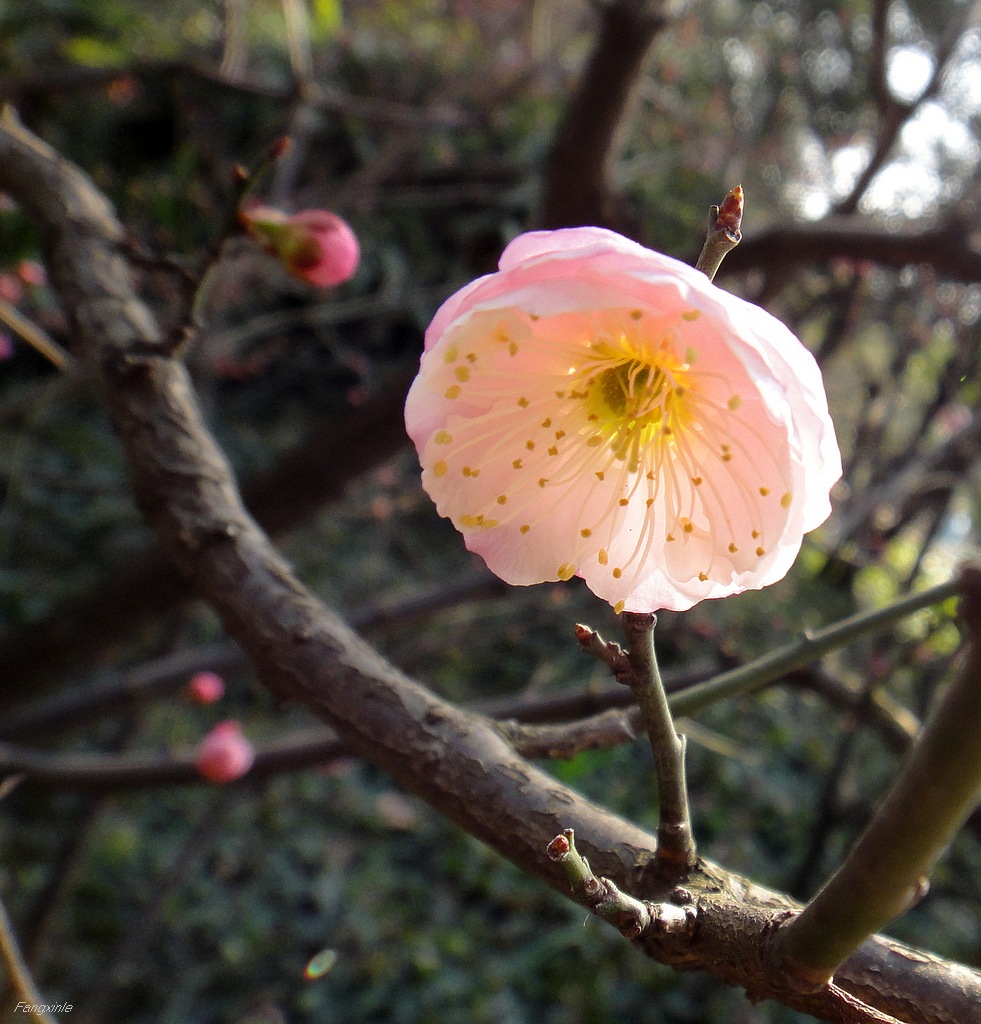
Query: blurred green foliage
{"points": [[195, 905]]}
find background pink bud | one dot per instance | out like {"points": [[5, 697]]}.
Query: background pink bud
{"points": [[314, 245], [321, 248], [206, 687], [225, 754], [11, 290], [32, 273]]}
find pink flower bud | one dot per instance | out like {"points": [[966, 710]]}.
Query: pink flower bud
{"points": [[6, 346], [11, 290], [313, 245], [206, 687], [32, 273], [225, 754]]}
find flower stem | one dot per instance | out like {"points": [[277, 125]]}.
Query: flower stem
{"points": [[676, 843], [885, 872], [723, 232]]}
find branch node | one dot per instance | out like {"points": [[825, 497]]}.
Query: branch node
{"points": [[630, 916], [611, 654]]}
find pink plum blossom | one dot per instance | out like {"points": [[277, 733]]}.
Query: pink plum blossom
{"points": [[224, 754], [313, 245], [206, 687], [600, 410]]}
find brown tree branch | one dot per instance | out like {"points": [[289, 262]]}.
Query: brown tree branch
{"points": [[454, 760], [948, 247], [576, 186]]}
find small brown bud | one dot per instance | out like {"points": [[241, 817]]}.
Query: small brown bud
{"points": [[730, 216], [279, 147], [558, 848], [584, 634]]}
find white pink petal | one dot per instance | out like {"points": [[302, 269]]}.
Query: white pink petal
{"points": [[598, 409]]}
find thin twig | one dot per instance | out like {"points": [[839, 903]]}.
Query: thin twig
{"points": [[565, 740], [20, 976], [37, 338], [103, 773], [756, 674]]}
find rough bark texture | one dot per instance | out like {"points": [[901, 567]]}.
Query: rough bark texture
{"points": [[457, 761]]}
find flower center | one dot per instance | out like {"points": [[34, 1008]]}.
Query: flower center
{"points": [[635, 402]]}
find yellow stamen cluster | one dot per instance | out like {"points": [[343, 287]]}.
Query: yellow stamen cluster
{"points": [[607, 420]]}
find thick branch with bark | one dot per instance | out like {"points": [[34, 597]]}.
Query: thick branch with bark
{"points": [[457, 761]]}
